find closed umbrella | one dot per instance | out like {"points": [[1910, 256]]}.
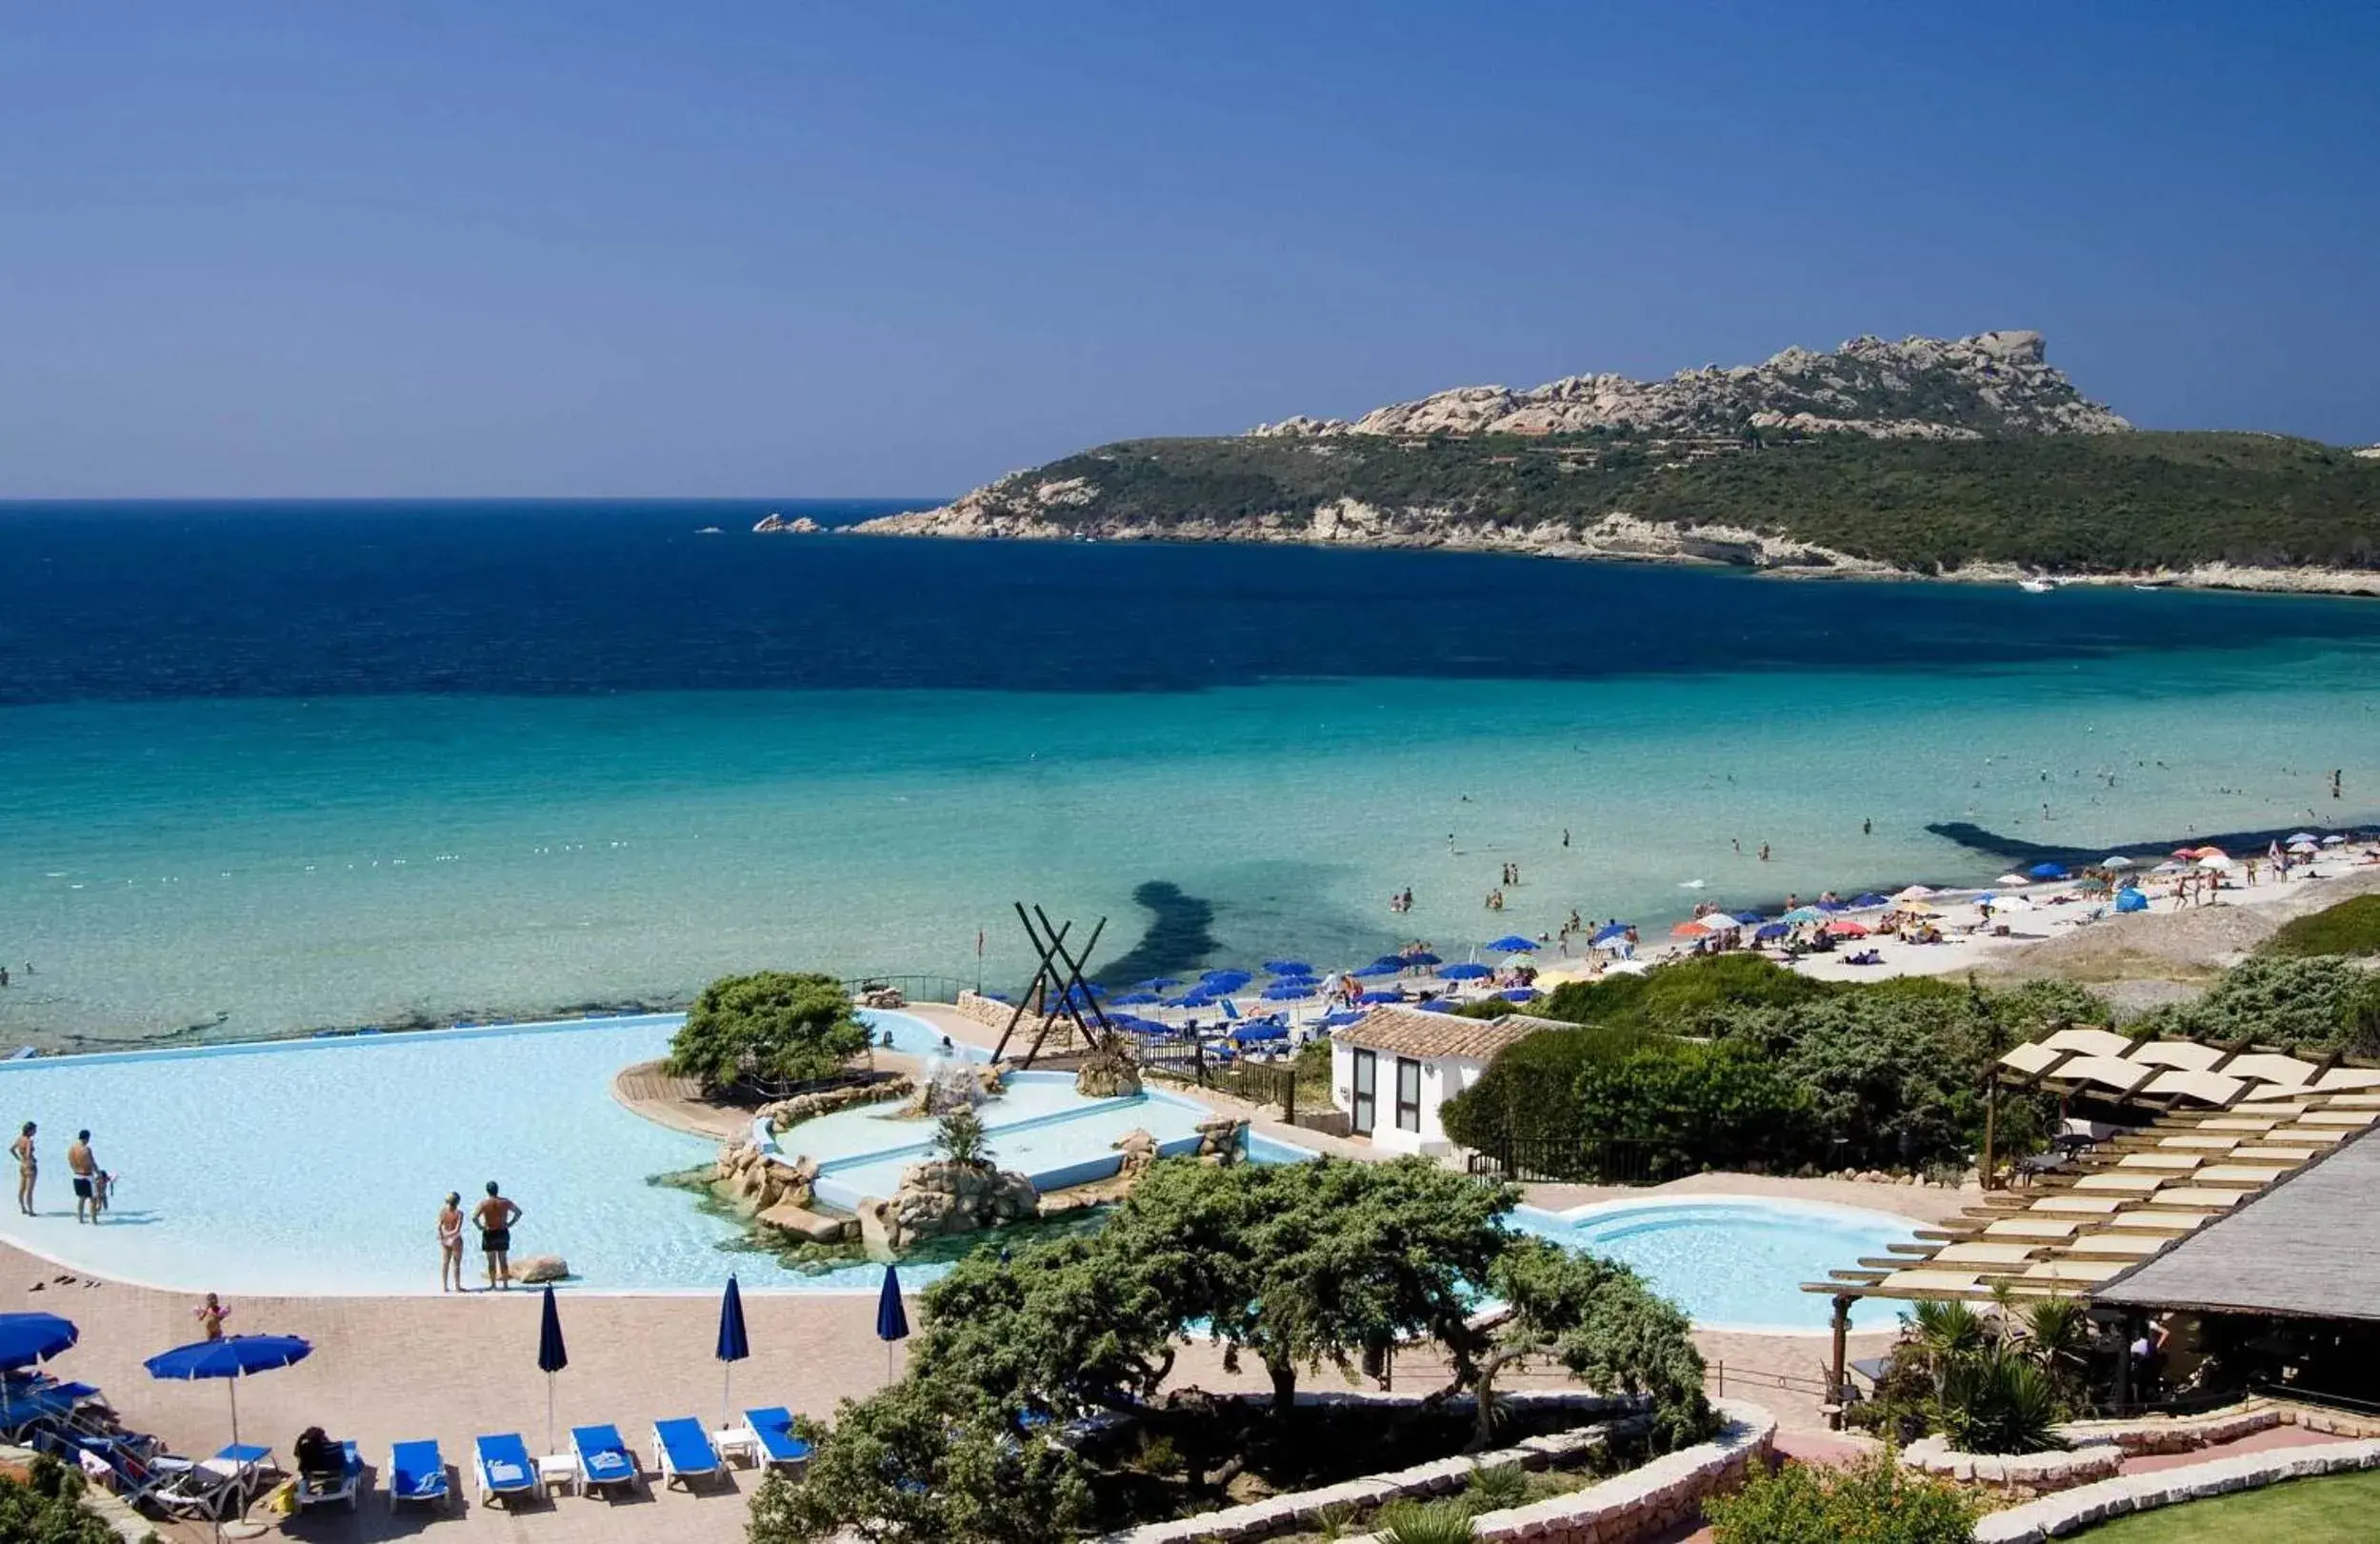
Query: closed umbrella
{"points": [[27, 1338], [734, 1344], [552, 1357], [232, 1358], [892, 1320]]}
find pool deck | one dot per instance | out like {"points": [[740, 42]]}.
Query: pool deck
{"points": [[392, 1369]]}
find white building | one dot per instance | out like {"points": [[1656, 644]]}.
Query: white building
{"points": [[1392, 1068]]}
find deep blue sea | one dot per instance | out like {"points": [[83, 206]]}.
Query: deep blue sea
{"points": [[270, 766]]}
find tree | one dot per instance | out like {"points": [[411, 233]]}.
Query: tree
{"points": [[1604, 1325], [925, 1461], [794, 1027], [47, 1507], [1059, 1328], [2308, 1007]]}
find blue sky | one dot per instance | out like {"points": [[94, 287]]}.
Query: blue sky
{"points": [[777, 250]]}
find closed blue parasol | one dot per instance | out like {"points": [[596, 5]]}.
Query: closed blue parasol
{"points": [[1512, 943], [1465, 972], [1288, 967], [27, 1338], [552, 1357], [734, 1344], [891, 1319], [232, 1358]]}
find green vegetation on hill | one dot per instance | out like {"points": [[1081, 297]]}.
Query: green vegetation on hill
{"points": [[2352, 927], [2075, 503]]}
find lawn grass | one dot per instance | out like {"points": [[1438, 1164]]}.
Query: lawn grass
{"points": [[2336, 1509]]}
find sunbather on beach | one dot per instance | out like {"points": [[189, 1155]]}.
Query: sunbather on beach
{"points": [[495, 1216]]}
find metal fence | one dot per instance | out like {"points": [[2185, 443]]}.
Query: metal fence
{"points": [[1578, 1161], [917, 988]]}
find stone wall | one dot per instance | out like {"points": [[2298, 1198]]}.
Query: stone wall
{"points": [[1638, 1505], [2054, 1517], [993, 1013], [2021, 1474]]}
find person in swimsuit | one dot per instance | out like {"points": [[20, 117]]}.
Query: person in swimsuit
{"points": [[26, 1168], [211, 1316], [85, 1171], [495, 1216], [451, 1244]]}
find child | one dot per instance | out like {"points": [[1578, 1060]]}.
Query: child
{"points": [[102, 1185], [211, 1316]]}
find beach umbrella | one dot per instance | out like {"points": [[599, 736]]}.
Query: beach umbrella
{"points": [[2046, 870], [1440, 1005], [1465, 972], [1868, 898], [1288, 967], [2218, 861], [2010, 879], [1608, 931], [2209, 850], [2307, 846], [1825, 905], [27, 1338], [1159, 983], [1721, 922], [1689, 930], [1773, 929], [232, 1358], [2301, 836], [1380, 967], [2169, 868], [1847, 929], [1252, 1033], [1804, 914], [1380, 997], [2013, 903], [734, 1344], [1227, 980], [2333, 841], [1420, 956], [1754, 918], [1291, 991], [2117, 860], [552, 1356], [1914, 892], [1518, 995], [892, 1320], [1135, 999], [1341, 1019], [1512, 943]]}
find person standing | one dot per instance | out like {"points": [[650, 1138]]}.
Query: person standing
{"points": [[86, 1172], [451, 1244], [211, 1316], [27, 1168], [495, 1216]]}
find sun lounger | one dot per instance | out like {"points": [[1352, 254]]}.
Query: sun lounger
{"points": [[505, 1468], [772, 1431], [342, 1484], [417, 1472], [214, 1488], [603, 1458], [682, 1450]]}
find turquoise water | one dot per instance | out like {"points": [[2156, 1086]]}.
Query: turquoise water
{"points": [[1731, 1262]]}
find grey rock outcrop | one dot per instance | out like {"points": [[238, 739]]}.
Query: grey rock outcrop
{"points": [[1108, 1075], [939, 1198]]}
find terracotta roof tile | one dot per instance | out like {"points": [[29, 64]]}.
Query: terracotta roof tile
{"points": [[1409, 1031]]}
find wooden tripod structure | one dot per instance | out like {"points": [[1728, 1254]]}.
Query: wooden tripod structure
{"points": [[1057, 988]]}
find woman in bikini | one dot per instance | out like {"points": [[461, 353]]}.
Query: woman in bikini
{"points": [[451, 1244], [27, 1168]]}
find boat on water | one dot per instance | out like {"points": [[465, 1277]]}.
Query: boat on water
{"points": [[709, 531], [2035, 587]]}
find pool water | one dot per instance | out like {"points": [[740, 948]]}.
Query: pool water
{"points": [[1731, 1262]]}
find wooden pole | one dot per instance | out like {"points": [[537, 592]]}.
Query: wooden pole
{"points": [[1835, 1382], [1991, 1113]]}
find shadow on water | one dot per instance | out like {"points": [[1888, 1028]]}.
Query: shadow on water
{"points": [[1176, 942], [2016, 849]]}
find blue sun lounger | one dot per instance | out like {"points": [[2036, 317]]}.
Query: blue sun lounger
{"points": [[772, 1431], [503, 1467], [417, 1472], [603, 1458], [682, 1450]]}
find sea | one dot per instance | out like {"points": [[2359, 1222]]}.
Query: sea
{"points": [[273, 768]]}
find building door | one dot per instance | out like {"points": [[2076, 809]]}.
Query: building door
{"points": [[1407, 1095], [1367, 1091]]}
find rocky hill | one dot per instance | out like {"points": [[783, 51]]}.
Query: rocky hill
{"points": [[1993, 382], [1970, 458]]}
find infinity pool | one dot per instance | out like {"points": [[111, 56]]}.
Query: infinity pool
{"points": [[1732, 1262]]}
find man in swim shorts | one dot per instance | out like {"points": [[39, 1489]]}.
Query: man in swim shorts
{"points": [[495, 1216], [85, 1171]]}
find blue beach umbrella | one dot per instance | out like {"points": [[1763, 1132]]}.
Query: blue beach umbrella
{"points": [[1608, 931], [1868, 898], [232, 1358], [734, 1344], [1291, 991], [1439, 1005], [1465, 972], [1420, 958], [1519, 995], [1381, 967], [1512, 943], [1288, 967], [1159, 983], [1379, 998], [27, 1338], [1747, 918], [1835, 906], [1134, 999], [552, 1357], [891, 1319], [1251, 1033], [1224, 980], [1774, 929], [2046, 870]]}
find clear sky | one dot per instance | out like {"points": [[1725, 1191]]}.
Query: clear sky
{"points": [[879, 247]]}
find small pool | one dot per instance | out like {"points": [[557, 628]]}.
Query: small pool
{"points": [[1732, 1262]]}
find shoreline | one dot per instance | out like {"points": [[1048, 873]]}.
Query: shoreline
{"points": [[1625, 540]]}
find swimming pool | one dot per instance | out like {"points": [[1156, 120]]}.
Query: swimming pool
{"points": [[1732, 1262], [318, 1166]]}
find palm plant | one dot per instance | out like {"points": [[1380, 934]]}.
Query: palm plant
{"points": [[1999, 1401], [1423, 1522], [2057, 1336], [1495, 1490], [1946, 1333], [959, 1138]]}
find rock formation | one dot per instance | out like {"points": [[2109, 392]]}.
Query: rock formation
{"points": [[776, 525], [939, 1198], [753, 1182], [1108, 1073], [541, 1268], [1139, 1148], [801, 1106], [1222, 1139], [1918, 388]]}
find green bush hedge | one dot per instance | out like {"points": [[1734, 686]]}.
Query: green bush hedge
{"points": [[2352, 927]]}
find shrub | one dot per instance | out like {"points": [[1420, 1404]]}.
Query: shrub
{"points": [[2000, 1401], [1423, 1522], [1680, 998], [1495, 1490], [789, 1026], [2308, 1007], [1695, 1105], [46, 1507], [2352, 927], [1895, 1079], [1871, 1502]]}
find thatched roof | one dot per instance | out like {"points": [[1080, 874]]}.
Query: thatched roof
{"points": [[2309, 1248]]}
